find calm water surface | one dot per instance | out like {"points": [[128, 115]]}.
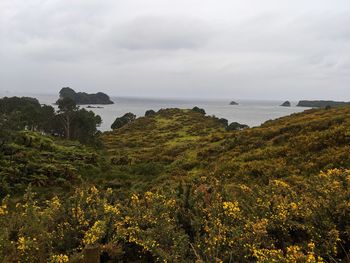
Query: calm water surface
{"points": [[250, 112]]}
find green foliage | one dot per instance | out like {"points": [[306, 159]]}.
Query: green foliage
{"points": [[166, 144], [150, 113], [83, 127], [122, 121], [24, 113], [42, 162], [234, 126], [184, 190], [18, 114], [199, 110], [222, 121], [67, 105], [206, 220]]}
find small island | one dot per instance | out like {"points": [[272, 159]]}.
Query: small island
{"points": [[233, 103], [93, 107], [286, 104], [321, 103], [82, 98]]}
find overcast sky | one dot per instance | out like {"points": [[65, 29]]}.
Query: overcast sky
{"points": [[239, 49]]}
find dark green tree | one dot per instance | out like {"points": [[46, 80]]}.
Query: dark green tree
{"points": [[235, 126], [21, 113], [67, 108], [122, 121], [149, 113], [199, 110], [223, 121], [47, 118], [84, 126]]}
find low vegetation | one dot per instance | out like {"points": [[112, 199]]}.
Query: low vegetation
{"points": [[178, 186], [44, 162]]}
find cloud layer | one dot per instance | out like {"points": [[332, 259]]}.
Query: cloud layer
{"points": [[187, 48]]}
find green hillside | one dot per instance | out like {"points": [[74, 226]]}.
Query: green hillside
{"points": [[301, 144], [177, 187], [161, 147], [43, 162], [175, 143]]}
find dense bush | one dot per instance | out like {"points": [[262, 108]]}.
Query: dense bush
{"points": [[234, 126], [183, 190], [150, 113], [122, 121], [199, 110], [205, 220], [43, 162], [17, 114], [20, 113]]}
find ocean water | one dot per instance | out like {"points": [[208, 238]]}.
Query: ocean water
{"points": [[250, 112]]}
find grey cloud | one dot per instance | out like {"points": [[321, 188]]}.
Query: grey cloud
{"points": [[164, 33], [173, 48]]}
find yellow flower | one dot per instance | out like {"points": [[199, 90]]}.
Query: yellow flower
{"points": [[171, 203], [21, 244], [3, 209], [231, 208], [280, 183], [134, 198], [93, 190], [293, 206], [148, 196], [111, 209], [55, 203], [310, 258], [109, 191], [244, 188], [78, 214], [94, 233], [61, 258], [311, 245]]}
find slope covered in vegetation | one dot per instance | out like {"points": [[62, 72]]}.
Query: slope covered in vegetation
{"points": [[161, 146], [43, 161], [301, 144], [179, 142], [178, 187]]}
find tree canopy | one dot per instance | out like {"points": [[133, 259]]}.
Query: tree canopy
{"points": [[69, 121], [124, 120]]}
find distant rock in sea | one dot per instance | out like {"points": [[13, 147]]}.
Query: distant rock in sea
{"points": [[93, 107], [321, 103], [233, 103], [82, 98], [286, 104]]}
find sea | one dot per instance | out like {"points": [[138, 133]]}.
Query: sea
{"points": [[249, 112]]}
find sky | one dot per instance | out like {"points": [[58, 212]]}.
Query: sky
{"points": [[235, 49]]}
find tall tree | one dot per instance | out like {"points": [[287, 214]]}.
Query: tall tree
{"points": [[67, 107], [84, 126]]}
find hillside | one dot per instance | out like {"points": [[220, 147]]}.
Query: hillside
{"points": [[300, 144], [176, 142], [177, 187], [44, 162], [161, 146]]}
